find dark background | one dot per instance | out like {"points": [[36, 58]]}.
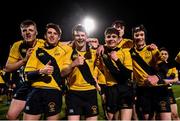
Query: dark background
{"points": [[161, 19]]}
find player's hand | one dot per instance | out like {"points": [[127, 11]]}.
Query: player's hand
{"points": [[100, 50], [28, 53], [152, 46], [153, 79], [78, 61], [113, 55], [48, 69]]}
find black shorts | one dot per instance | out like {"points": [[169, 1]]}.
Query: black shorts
{"points": [[2, 85], [44, 101], [82, 103], [153, 99], [125, 97], [22, 92], [125, 102], [103, 87], [117, 99], [171, 96], [112, 94]]}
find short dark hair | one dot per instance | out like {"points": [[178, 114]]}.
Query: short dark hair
{"points": [[27, 23], [111, 30], [54, 26], [139, 28], [163, 49], [79, 28], [118, 23]]}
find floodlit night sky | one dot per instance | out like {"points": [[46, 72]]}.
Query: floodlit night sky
{"points": [[160, 19]]}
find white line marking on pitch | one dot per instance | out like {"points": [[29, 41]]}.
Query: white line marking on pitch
{"points": [[177, 98]]}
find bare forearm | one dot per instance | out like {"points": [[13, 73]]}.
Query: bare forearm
{"points": [[67, 70], [14, 66], [170, 81]]}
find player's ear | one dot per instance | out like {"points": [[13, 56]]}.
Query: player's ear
{"points": [[45, 36], [59, 37], [36, 32]]}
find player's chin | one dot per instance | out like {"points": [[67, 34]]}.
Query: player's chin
{"points": [[81, 44], [29, 40]]}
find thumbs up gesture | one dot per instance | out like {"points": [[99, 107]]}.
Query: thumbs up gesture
{"points": [[78, 61], [48, 69]]}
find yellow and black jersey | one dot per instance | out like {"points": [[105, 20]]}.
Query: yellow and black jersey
{"points": [[76, 78], [169, 71], [100, 76], [1, 80], [125, 59], [171, 74], [1, 77], [150, 57], [69, 43], [40, 58], [125, 43], [172, 71], [178, 58], [19, 49]]}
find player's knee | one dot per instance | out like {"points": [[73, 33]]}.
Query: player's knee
{"points": [[175, 116], [11, 116]]}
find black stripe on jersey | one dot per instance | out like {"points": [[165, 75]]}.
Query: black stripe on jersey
{"points": [[148, 69], [120, 74], [45, 58], [84, 69]]}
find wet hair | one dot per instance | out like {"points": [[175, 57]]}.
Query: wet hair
{"points": [[118, 23], [27, 23], [163, 49], [54, 26], [139, 28], [111, 30], [79, 28]]}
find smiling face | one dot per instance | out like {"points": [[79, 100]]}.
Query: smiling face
{"points": [[111, 40], [139, 38], [52, 37], [80, 39], [111, 37], [164, 55]]}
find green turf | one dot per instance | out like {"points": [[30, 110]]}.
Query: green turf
{"points": [[176, 89]]}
